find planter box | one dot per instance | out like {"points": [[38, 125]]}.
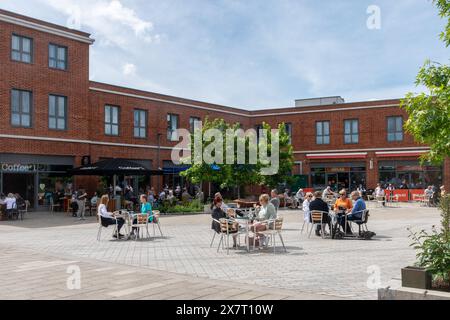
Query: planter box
{"points": [[395, 291], [414, 277]]}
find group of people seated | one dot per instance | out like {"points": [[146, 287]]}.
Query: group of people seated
{"points": [[265, 211], [173, 197], [342, 207], [114, 218], [11, 204]]}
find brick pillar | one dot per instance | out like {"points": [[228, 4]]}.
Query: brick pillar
{"points": [[446, 177], [371, 171]]}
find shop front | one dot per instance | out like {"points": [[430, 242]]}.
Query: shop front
{"points": [[409, 174], [350, 175], [34, 177]]}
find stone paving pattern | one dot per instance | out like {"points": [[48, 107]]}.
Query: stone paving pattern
{"points": [[182, 265]]}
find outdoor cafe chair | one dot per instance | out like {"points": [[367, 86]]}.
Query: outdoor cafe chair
{"points": [[226, 229], [156, 215], [140, 224], [306, 223], [53, 205], [274, 228], [362, 223], [115, 231], [24, 211], [317, 218]]}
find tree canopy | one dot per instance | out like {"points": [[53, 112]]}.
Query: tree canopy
{"points": [[429, 113]]}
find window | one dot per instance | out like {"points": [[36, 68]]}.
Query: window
{"points": [[288, 127], [194, 123], [21, 49], [172, 127], [351, 134], [21, 108], [57, 57], [323, 132], [395, 129], [111, 121], [57, 112], [258, 128], [140, 124]]}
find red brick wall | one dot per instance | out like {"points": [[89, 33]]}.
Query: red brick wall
{"points": [[42, 81], [86, 112]]}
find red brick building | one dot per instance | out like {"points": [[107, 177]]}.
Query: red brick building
{"points": [[53, 116]]}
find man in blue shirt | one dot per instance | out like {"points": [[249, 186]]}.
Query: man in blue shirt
{"points": [[358, 207]]}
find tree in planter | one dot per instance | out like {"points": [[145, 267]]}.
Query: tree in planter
{"points": [[429, 114], [429, 123], [433, 249]]}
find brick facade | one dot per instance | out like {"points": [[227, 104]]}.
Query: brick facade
{"points": [[86, 100]]}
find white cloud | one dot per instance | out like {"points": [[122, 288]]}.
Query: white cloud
{"points": [[129, 69], [109, 20]]}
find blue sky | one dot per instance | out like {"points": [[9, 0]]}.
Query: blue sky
{"points": [[253, 54]]}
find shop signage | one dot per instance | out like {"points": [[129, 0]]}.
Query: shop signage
{"points": [[20, 168], [409, 168], [337, 170]]}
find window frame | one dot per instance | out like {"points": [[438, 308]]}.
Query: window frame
{"points": [[323, 135], [139, 127], [20, 113], [351, 134], [66, 57], [289, 132], [170, 126], [112, 123], [402, 131], [21, 52], [192, 121], [57, 111]]}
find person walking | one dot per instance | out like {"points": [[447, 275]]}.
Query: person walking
{"points": [[81, 197]]}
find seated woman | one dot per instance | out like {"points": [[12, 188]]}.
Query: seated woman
{"points": [[342, 207], [146, 209], [266, 212], [108, 218], [217, 214]]}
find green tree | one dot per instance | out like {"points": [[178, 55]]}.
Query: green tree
{"points": [[284, 174], [429, 113], [239, 175]]}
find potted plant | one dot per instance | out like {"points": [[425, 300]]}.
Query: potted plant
{"points": [[432, 269]]}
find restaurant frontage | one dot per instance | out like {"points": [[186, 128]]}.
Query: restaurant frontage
{"points": [[34, 177], [409, 174], [348, 175]]}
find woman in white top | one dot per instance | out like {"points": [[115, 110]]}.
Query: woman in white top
{"points": [[108, 218], [306, 211], [10, 203]]}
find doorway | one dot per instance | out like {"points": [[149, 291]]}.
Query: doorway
{"points": [[23, 184]]}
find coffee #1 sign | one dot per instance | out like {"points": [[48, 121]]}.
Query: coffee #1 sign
{"points": [[8, 167]]}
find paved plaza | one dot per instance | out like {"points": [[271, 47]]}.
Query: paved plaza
{"points": [[39, 251]]}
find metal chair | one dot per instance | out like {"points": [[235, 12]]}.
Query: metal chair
{"points": [[140, 224], [156, 216], [24, 211], [275, 227], [226, 229], [317, 218], [53, 205], [362, 223], [115, 231]]}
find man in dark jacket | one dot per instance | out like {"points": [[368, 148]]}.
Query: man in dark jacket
{"points": [[319, 205]]}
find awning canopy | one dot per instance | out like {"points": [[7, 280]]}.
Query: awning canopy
{"points": [[114, 167]]}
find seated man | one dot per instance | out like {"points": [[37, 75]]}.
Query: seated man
{"points": [[319, 205], [358, 208]]}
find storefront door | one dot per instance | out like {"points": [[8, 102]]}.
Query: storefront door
{"points": [[23, 184]]}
